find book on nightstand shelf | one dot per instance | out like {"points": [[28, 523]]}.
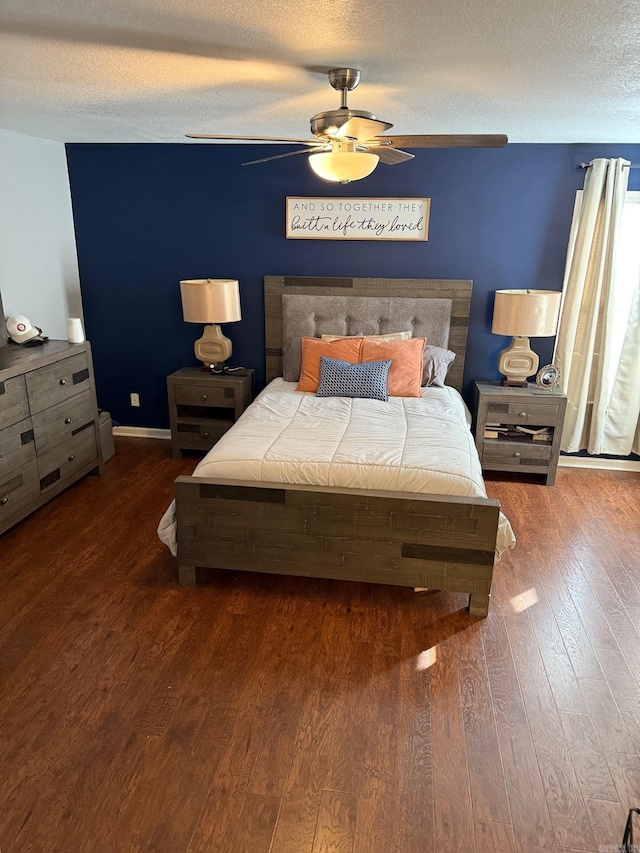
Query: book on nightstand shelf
{"points": [[536, 433], [495, 430], [533, 430]]}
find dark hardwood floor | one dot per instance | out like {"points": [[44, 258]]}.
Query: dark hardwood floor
{"points": [[288, 715]]}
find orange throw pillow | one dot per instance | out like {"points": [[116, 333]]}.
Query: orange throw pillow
{"points": [[312, 348], [405, 374]]}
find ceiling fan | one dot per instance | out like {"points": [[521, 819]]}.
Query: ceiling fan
{"points": [[348, 143]]}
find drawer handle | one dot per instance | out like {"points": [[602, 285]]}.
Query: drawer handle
{"points": [[205, 435], [67, 421], [203, 397], [523, 414], [5, 500], [63, 381], [72, 456], [517, 454]]}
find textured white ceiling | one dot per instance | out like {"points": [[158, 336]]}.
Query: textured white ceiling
{"points": [[153, 70]]}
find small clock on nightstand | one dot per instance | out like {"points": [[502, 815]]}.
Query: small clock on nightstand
{"points": [[519, 429], [203, 406]]}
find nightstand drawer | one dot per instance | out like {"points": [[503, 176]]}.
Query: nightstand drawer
{"points": [[194, 434], [62, 421], [13, 401], [205, 395], [525, 412], [18, 448], [521, 453], [57, 382]]}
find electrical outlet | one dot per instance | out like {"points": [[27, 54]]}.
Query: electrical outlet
{"points": [[135, 399]]}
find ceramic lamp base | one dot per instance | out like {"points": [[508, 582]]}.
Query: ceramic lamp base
{"points": [[213, 347], [517, 362]]}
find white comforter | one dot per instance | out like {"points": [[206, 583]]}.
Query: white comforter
{"points": [[408, 444]]}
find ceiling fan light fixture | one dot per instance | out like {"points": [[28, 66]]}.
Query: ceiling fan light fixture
{"points": [[343, 166], [346, 137]]}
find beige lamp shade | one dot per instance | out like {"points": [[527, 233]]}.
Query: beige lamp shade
{"points": [[526, 313], [523, 314], [210, 300]]}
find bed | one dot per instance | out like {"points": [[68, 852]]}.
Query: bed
{"points": [[346, 489]]}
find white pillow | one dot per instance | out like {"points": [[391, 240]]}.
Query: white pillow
{"points": [[392, 336]]}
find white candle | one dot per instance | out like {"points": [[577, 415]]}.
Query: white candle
{"points": [[74, 330]]}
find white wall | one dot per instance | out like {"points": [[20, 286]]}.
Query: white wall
{"points": [[38, 261]]}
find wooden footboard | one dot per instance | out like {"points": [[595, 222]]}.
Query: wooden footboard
{"points": [[434, 541]]}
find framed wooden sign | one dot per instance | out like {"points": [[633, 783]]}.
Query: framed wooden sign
{"points": [[357, 218]]}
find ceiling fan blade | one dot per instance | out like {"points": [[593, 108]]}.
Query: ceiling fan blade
{"points": [[467, 140], [391, 156], [277, 157], [277, 139], [362, 129]]}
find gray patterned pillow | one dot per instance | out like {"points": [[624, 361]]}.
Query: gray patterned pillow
{"points": [[366, 380]]}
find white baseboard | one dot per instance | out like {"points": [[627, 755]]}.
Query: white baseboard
{"points": [[142, 432], [596, 462]]}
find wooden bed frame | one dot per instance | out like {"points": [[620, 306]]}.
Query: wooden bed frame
{"points": [[415, 540]]}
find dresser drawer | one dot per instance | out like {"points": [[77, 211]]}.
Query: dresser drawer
{"points": [[62, 421], [526, 412], [17, 447], [18, 490], [66, 459], [13, 401], [57, 382], [205, 395], [522, 453]]}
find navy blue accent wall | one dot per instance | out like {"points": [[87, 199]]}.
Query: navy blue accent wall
{"points": [[147, 216]]}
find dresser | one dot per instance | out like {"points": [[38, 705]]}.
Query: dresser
{"points": [[519, 429], [49, 431]]}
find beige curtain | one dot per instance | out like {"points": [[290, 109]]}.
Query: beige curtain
{"points": [[598, 417], [621, 432]]}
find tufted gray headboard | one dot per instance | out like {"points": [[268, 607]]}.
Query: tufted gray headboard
{"points": [[368, 315], [435, 308]]}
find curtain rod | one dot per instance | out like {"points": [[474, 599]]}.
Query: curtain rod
{"points": [[627, 166]]}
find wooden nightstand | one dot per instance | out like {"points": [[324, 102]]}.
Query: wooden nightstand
{"points": [[530, 408], [203, 406]]}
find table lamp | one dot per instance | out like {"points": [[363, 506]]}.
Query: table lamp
{"points": [[211, 301], [523, 314]]}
